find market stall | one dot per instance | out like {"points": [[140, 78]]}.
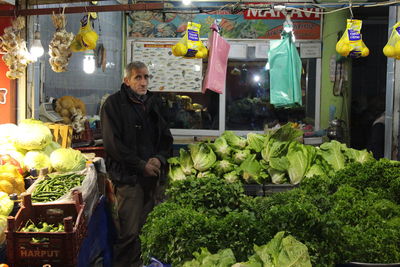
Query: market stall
{"points": [[257, 97]]}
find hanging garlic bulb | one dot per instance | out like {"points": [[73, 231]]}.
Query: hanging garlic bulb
{"points": [[59, 47], [17, 56]]}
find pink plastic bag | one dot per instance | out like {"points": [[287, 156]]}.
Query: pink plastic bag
{"points": [[217, 62]]}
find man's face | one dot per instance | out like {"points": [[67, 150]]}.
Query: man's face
{"points": [[138, 81]]}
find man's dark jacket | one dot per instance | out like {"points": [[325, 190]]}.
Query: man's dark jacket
{"points": [[133, 131]]}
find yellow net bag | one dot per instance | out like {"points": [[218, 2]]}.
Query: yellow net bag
{"points": [[190, 45], [392, 48], [86, 38], [351, 43]]}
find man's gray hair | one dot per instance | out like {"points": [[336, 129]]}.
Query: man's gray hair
{"points": [[136, 65]]}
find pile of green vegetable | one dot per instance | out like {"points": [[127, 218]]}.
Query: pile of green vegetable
{"points": [[275, 157], [349, 215], [30, 143], [54, 186], [280, 251], [42, 227]]}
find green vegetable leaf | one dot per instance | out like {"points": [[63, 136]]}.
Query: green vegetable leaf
{"points": [[255, 141], [221, 147], [332, 153], [300, 158], [202, 155], [234, 140]]}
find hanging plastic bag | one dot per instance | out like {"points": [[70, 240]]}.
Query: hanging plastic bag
{"points": [[351, 43], [217, 62], [392, 48], [285, 72], [86, 38], [190, 45]]}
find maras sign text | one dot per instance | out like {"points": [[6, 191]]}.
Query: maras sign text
{"points": [[254, 13]]}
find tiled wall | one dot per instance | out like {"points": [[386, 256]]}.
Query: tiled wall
{"points": [[88, 87]]}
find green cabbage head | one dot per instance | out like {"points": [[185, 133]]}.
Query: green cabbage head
{"points": [[67, 159], [32, 135], [37, 160], [202, 155], [176, 173]]}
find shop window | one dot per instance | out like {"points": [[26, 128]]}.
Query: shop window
{"points": [[247, 96], [245, 104], [191, 110]]}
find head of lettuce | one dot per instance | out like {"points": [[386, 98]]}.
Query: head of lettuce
{"points": [[67, 160]]}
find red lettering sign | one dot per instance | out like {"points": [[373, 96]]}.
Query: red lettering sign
{"points": [[255, 13]]}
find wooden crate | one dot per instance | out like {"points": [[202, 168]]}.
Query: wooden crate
{"points": [[62, 133], [61, 249], [86, 136]]}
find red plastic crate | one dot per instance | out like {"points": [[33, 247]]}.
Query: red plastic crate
{"points": [[61, 249]]}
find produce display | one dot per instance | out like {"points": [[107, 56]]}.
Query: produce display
{"points": [[17, 56], [54, 186], [280, 251], [29, 146], [59, 47], [350, 215], [275, 157], [27, 152]]}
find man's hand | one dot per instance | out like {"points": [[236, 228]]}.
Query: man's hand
{"points": [[150, 169], [155, 161]]}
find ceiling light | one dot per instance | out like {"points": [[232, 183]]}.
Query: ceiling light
{"points": [[36, 47], [89, 64]]}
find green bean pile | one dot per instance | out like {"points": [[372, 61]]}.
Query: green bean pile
{"points": [[54, 186]]}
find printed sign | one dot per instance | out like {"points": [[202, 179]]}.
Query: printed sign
{"points": [[248, 24], [310, 50], [168, 73], [254, 13]]}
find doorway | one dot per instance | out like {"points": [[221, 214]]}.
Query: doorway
{"points": [[369, 76]]}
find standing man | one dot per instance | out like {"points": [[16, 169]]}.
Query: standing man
{"points": [[138, 142]]}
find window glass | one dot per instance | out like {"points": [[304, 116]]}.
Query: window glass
{"points": [[247, 96], [191, 110]]}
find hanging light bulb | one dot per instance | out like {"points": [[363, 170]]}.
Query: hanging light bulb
{"points": [[89, 64], [36, 47]]}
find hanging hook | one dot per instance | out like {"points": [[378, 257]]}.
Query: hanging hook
{"points": [[351, 9], [288, 24]]}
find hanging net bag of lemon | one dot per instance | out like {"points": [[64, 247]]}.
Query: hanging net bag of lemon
{"points": [[86, 38], [351, 43], [190, 45], [392, 48]]}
